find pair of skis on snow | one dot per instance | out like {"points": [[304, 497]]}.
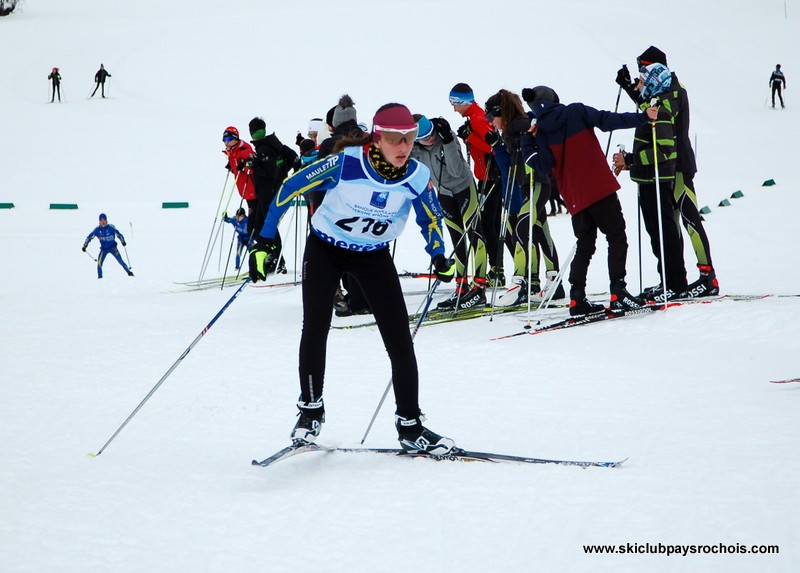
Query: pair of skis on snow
{"points": [[456, 455]]}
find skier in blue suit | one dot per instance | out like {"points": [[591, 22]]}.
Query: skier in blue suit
{"points": [[240, 226], [107, 235]]}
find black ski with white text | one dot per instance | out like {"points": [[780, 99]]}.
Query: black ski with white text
{"points": [[457, 455]]}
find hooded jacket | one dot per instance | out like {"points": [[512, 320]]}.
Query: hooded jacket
{"points": [[271, 165], [567, 145]]}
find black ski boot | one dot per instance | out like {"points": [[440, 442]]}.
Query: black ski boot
{"points": [[310, 420], [621, 299], [414, 437], [579, 305], [706, 285]]}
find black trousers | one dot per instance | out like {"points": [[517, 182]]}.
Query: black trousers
{"points": [[675, 267], [776, 87], [604, 215], [323, 265]]}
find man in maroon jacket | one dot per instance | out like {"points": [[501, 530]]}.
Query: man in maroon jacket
{"points": [[563, 142]]}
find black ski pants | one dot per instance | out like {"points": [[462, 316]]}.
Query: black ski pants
{"points": [[606, 216], [102, 86], [323, 266], [675, 267], [776, 88]]}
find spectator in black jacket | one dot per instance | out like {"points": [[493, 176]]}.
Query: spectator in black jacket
{"points": [[100, 81], [686, 210], [271, 163]]}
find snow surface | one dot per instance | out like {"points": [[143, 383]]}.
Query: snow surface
{"points": [[684, 395]]}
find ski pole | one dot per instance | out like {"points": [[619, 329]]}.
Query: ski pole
{"points": [[130, 266], [616, 107], [530, 236], [173, 367], [512, 174], [211, 234], [548, 294], [90, 256], [660, 218], [413, 334], [621, 147]]}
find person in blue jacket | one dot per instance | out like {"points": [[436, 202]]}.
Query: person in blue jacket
{"points": [[240, 226], [107, 235], [371, 184]]}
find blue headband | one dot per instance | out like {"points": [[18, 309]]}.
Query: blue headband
{"points": [[461, 98]]}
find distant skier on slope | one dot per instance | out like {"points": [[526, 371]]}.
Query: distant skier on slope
{"points": [[55, 79], [106, 234], [100, 81]]}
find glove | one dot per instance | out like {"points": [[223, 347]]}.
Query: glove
{"points": [[464, 131], [84, 248], [124, 244], [299, 139], [240, 164], [623, 77], [443, 129], [260, 255], [492, 138], [225, 215], [228, 166], [445, 269]]}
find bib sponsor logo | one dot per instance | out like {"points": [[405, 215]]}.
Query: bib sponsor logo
{"points": [[378, 199], [330, 162]]}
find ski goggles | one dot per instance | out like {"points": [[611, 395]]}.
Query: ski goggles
{"points": [[396, 136], [643, 66], [229, 138]]}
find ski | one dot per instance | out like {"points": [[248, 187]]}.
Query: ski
{"points": [[445, 316], [287, 452], [459, 455], [606, 314], [215, 280], [456, 455], [609, 314], [263, 284], [784, 381]]}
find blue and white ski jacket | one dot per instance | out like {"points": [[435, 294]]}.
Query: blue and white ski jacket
{"points": [[106, 237], [239, 226], [362, 211]]}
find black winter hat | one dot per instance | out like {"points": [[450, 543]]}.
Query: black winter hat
{"points": [[306, 145], [329, 116], [540, 94], [652, 55]]}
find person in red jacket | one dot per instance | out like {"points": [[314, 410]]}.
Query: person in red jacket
{"points": [[586, 183], [473, 133], [239, 154]]}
